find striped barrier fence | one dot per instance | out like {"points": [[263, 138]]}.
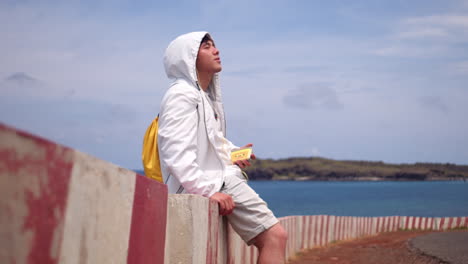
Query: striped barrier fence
{"points": [[310, 231], [58, 205]]}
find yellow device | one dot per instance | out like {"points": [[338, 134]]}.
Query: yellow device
{"points": [[241, 154]]}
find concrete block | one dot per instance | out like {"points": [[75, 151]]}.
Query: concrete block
{"points": [[58, 205], [193, 223]]}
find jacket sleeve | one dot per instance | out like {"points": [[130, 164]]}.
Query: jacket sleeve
{"points": [[177, 140], [231, 146]]}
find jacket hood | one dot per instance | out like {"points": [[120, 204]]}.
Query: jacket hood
{"points": [[180, 60]]}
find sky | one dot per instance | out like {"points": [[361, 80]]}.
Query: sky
{"points": [[347, 80]]}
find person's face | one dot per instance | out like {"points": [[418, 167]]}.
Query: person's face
{"points": [[208, 60]]}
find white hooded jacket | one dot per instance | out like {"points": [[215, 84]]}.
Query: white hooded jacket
{"points": [[193, 150]]}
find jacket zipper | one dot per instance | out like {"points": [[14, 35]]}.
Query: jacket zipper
{"points": [[207, 134]]}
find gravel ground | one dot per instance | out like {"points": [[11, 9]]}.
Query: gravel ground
{"points": [[385, 248]]}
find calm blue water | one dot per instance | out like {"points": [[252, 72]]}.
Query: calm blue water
{"points": [[365, 198]]}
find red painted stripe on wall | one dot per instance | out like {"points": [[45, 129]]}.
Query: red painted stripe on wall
{"points": [[213, 231], [359, 228], [303, 231], [366, 226], [378, 225], [49, 166], [294, 227], [363, 232], [148, 226], [252, 255], [441, 225], [320, 230], [315, 230], [450, 223], [309, 238], [230, 245], [244, 253], [335, 228], [343, 227], [326, 229], [369, 226]]}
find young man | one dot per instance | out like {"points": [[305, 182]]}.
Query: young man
{"points": [[193, 149]]}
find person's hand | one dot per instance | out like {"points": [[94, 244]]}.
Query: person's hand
{"points": [[225, 202], [245, 163]]}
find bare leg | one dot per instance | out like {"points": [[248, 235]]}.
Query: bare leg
{"points": [[271, 245]]}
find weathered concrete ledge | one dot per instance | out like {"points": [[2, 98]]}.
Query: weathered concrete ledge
{"points": [[58, 205], [195, 231]]}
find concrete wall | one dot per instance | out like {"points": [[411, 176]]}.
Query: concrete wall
{"points": [[58, 205], [194, 228], [195, 232]]}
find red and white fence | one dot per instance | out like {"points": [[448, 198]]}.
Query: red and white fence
{"points": [[58, 205], [319, 230]]}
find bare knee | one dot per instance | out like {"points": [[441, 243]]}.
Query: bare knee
{"points": [[281, 234], [275, 236]]}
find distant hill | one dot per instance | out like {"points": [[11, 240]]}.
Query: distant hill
{"points": [[322, 169]]}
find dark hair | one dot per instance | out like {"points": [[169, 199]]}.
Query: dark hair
{"points": [[206, 38]]}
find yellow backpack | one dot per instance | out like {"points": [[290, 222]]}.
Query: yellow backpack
{"points": [[150, 153]]}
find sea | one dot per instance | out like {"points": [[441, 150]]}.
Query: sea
{"points": [[376, 198]]}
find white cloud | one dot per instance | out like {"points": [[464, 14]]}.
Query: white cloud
{"points": [[425, 36], [422, 33], [112, 59], [409, 51], [448, 28], [447, 20]]}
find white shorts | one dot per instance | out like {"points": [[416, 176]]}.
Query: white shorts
{"points": [[251, 215]]}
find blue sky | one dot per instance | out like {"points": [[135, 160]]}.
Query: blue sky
{"points": [[352, 80]]}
